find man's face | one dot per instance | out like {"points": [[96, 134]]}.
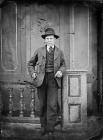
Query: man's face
{"points": [[50, 40]]}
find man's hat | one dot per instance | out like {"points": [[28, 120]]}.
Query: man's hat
{"points": [[49, 31]]}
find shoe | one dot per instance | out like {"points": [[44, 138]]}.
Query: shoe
{"points": [[43, 131]]}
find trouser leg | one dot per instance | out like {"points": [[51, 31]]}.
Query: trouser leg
{"points": [[52, 94], [43, 103]]}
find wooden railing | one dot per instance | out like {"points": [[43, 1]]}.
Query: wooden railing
{"points": [[19, 101]]}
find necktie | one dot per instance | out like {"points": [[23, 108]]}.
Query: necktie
{"points": [[50, 48]]}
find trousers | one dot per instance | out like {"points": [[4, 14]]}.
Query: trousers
{"points": [[48, 97]]}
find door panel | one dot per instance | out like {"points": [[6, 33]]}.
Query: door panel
{"points": [[9, 38], [10, 52], [74, 113], [79, 41]]}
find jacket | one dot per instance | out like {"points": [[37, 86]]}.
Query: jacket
{"points": [[37, 65]]}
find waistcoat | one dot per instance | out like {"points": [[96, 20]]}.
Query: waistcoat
{"points": [[49, 61]]}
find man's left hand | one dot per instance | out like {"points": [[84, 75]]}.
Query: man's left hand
{"points": [[58, 74]]}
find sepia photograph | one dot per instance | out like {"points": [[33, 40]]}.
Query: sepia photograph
{"points": [[51, 70]]}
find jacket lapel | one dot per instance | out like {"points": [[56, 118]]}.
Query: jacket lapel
{"points": [[55, 53], [44, 51]]}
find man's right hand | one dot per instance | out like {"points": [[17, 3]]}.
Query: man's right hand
{"points": [[34, 75]]}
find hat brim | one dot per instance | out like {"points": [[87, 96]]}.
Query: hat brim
{"points": [[43, 36]]}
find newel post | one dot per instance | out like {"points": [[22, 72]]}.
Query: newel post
{"points": [[74, 98]]}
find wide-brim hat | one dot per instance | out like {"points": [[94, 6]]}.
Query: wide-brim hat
{"points": [[49, 31]]}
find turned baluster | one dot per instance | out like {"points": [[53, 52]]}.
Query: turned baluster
{"points": [[21, 102], [10, 101], [32, 103]]}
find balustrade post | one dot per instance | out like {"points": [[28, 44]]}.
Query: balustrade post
{"points": [[32, 103], [21, 102], [10, 101]]}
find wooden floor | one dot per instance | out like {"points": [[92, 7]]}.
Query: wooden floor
{"points": [[27, 131]]}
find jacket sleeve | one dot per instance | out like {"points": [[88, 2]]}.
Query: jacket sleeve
{"points": [[62, 62], [32, 63]]}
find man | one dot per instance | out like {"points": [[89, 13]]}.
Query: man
{"points": [[46, 68]]}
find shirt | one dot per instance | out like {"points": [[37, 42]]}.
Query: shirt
{"points": [[49, 47]]}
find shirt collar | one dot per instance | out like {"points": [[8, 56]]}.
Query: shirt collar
{"points": [[49, 47]]}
